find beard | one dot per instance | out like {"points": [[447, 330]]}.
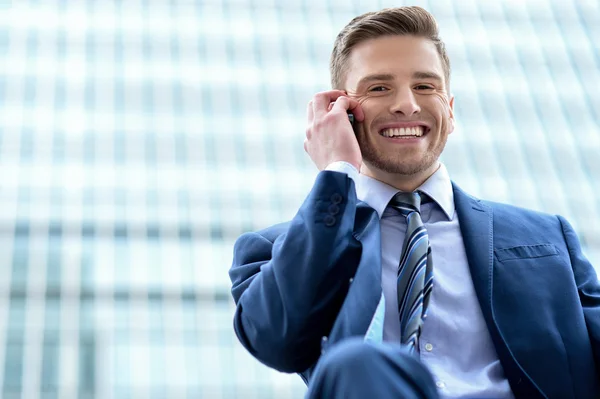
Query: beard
{"points": [[401, 163]]}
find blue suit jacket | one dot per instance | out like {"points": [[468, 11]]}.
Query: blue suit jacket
{"points": [[304, 285]]}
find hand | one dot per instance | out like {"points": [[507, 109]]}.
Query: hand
{"points": [[329, 135]]}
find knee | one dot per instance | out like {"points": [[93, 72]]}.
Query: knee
{"points": [[350, 355], [355, 357], [355, 363]]}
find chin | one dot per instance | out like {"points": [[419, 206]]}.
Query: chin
{"points": [[408, 163], [402, 167]]}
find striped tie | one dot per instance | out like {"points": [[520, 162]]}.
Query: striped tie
{"points": [[415, 271]]}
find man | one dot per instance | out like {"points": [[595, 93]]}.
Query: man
{"points": [[391, 281]]}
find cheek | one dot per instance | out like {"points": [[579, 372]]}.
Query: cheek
{"points": [[370, 109], [443, 104], [438, 106], [365, 102], [447, 114]]}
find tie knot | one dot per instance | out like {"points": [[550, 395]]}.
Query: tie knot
{"points": [[406, 203]]}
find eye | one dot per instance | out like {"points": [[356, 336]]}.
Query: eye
{"points": [[424, 87], [378, 89]]}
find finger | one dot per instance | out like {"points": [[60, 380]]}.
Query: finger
{"points": [[348, 104], [322, 100], [357, 110], [341, 104], [310, 115]]}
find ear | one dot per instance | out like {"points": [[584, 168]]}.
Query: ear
{"points": [[451, 115]]}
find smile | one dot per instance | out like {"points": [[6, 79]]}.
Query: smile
{"points": [[404, 132]]}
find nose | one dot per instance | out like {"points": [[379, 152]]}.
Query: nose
{"points": [[405, 102]]}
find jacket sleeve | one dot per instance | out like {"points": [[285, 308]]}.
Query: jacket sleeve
{"points": [[588, 287], [288, 292]]}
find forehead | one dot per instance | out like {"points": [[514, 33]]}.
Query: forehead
{"points": [[401, 56]]}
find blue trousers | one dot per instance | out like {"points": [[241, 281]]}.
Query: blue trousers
{"points": [[354, 369]]}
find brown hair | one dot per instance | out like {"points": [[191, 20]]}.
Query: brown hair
{"points": [[414, 21]]}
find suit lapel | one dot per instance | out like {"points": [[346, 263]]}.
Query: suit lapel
{"points": [[477, 228], [364, 293]]}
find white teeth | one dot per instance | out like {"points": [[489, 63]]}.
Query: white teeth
{"points": [[404, 131]]}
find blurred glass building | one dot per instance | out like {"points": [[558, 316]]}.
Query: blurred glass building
{"points": [[139, 138]]}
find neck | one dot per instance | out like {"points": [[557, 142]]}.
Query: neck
{"points": [[406, 183]]}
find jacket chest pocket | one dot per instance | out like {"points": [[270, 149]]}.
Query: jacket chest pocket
{"points": [[526, 252]]}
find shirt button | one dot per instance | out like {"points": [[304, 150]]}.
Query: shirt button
{"points": [[440, 384], [323, 342], [428, 347], [351, 280]]}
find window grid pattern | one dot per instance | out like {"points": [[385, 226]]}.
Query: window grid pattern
{"points": [[139, 138]]}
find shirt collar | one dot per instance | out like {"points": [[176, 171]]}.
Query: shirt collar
{"points": [[378, 194]]}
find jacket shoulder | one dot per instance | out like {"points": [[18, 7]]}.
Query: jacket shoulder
{"points": [[510, 219], [501, 208]]}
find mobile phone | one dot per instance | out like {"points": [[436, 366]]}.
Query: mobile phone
{"points": [[351, 118], [352, 121]]}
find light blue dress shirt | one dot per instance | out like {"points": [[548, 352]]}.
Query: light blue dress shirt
{"points": [[455, 343]]}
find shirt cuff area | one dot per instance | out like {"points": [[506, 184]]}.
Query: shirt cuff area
{"points": [[343, 167]]}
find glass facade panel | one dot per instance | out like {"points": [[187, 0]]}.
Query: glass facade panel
{"points": [[140, 138]]}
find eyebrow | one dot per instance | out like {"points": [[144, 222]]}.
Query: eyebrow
{"points": [[427, 75], [388, 77], [376, 77]]}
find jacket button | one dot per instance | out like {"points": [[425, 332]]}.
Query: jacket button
{"points": [[333, 209], [329, 220], [336, 198]]}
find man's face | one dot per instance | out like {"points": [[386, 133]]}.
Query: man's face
{"points": [[399, 82]]}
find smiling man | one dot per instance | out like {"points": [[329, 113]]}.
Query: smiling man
{"points": [[390, 281]]}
